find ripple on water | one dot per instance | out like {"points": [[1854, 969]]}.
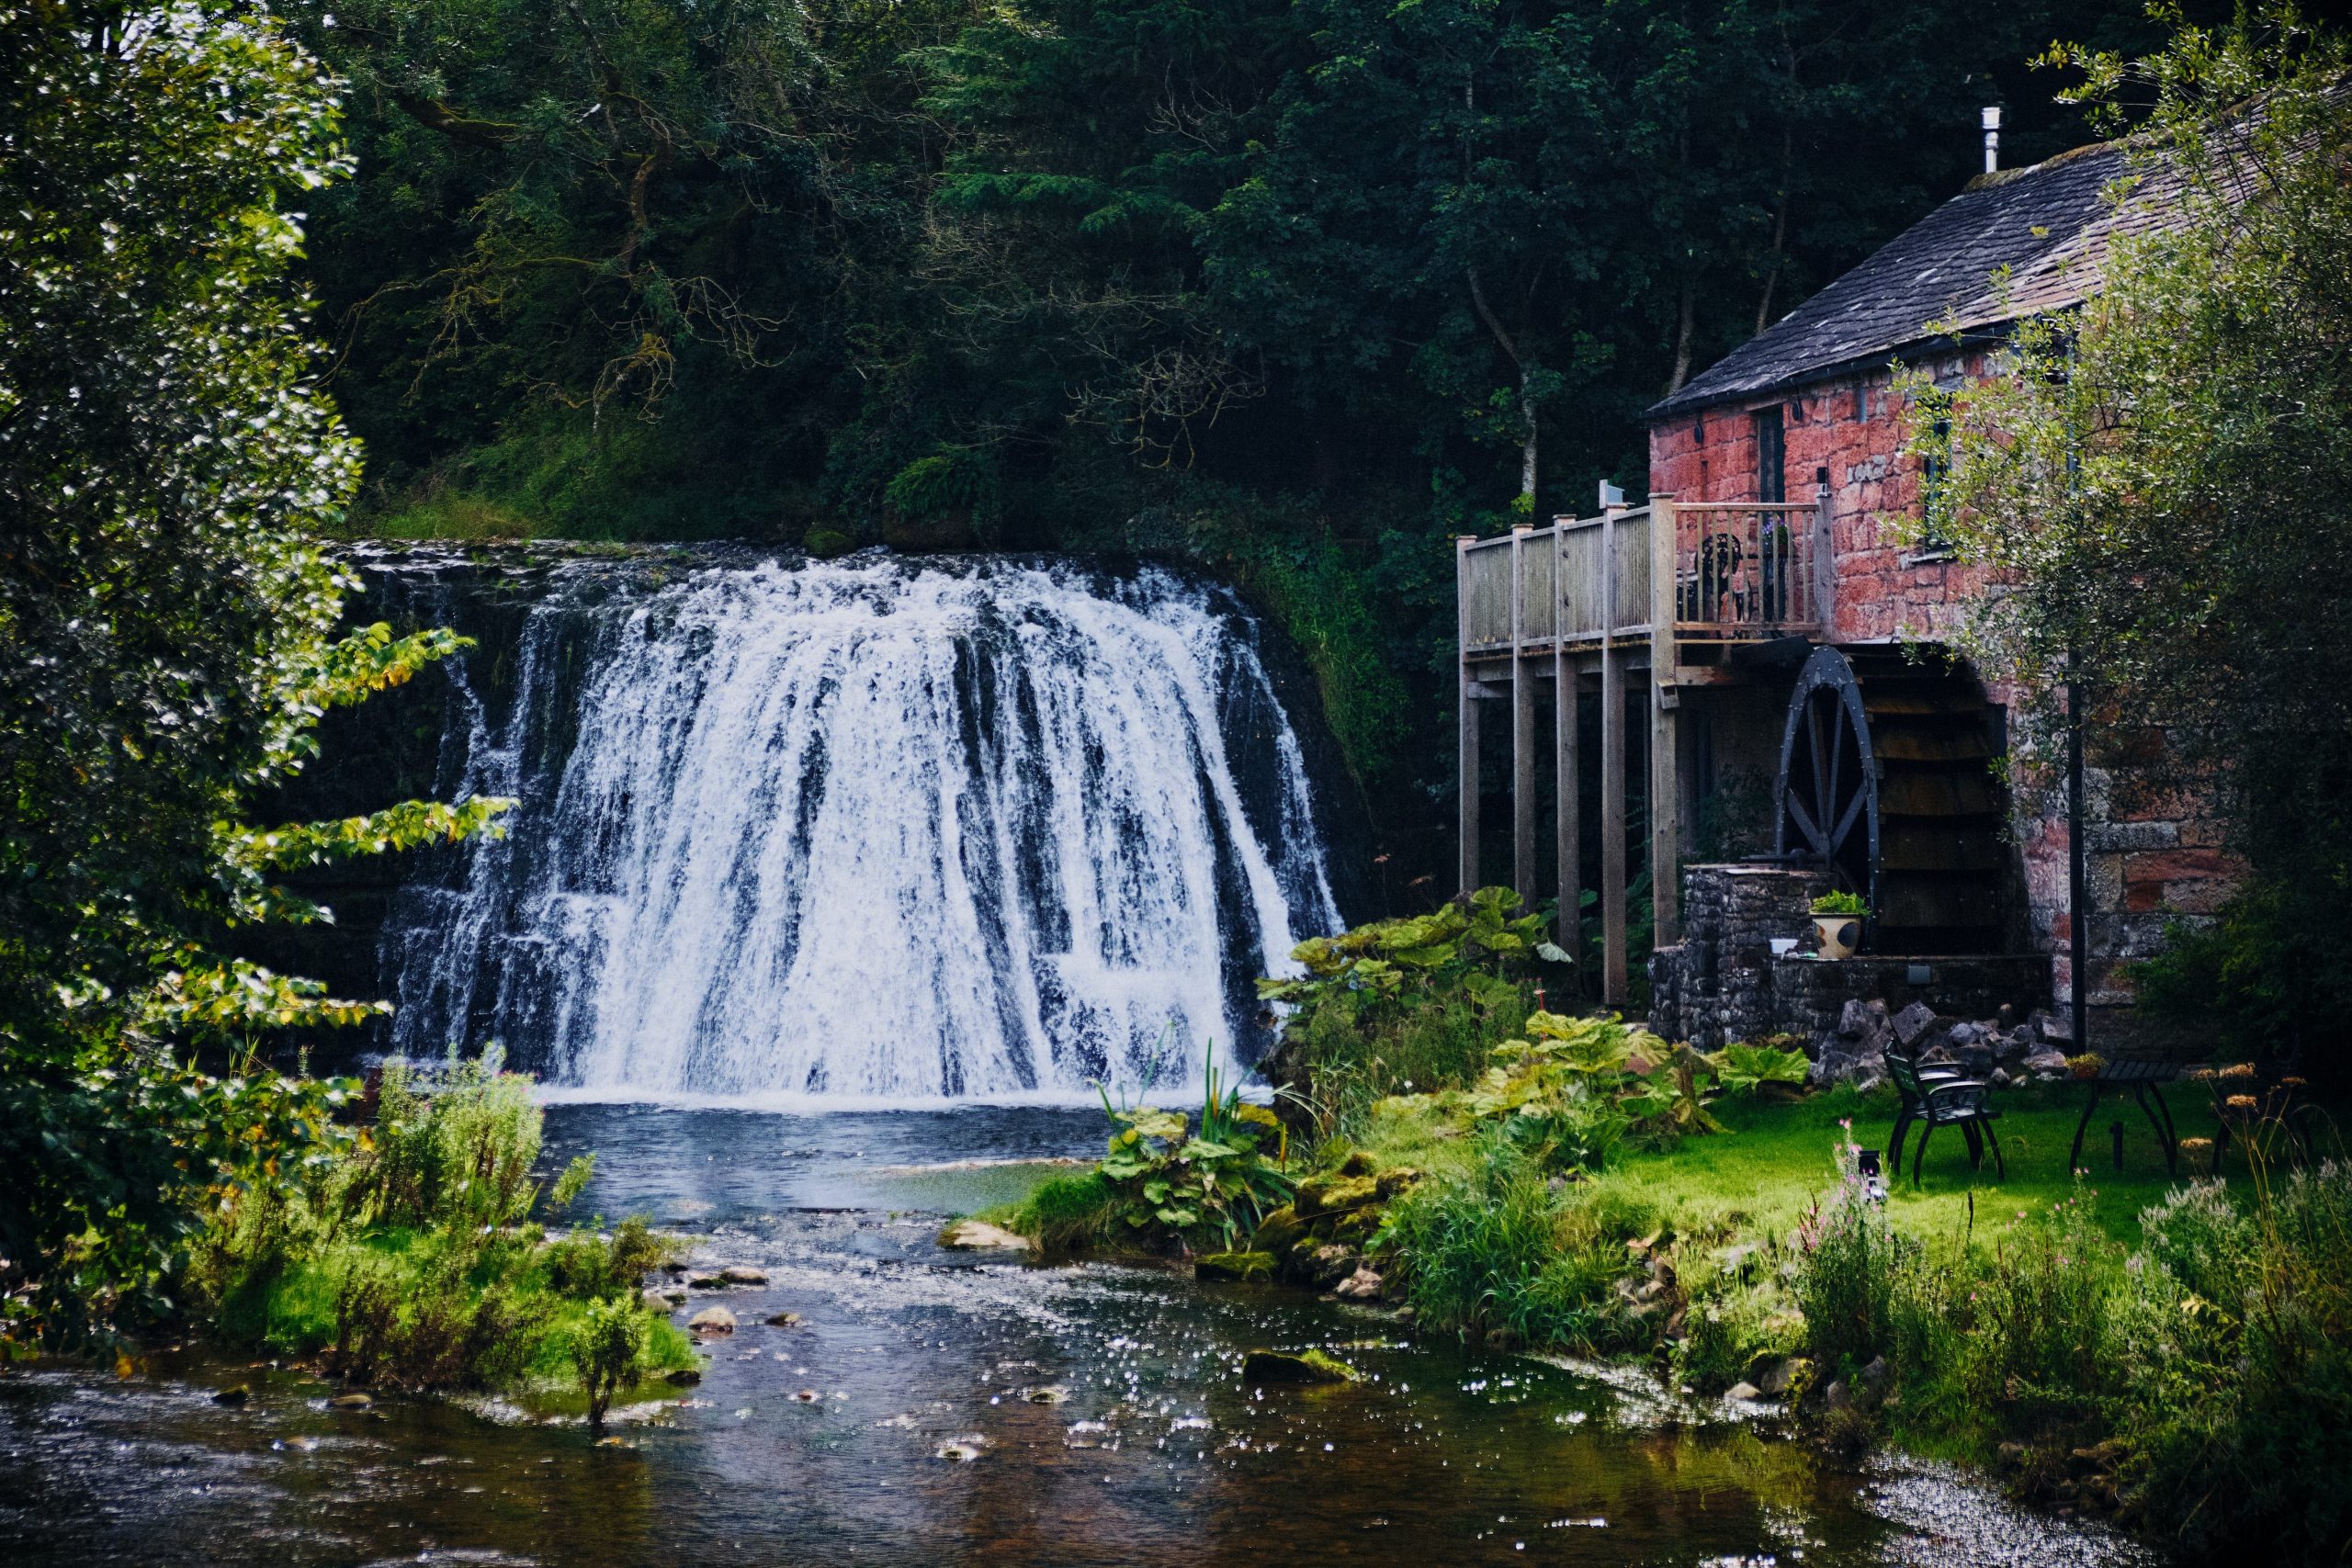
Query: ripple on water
{"points": [[928, 1409]]}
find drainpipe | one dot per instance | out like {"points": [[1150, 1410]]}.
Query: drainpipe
{"points": [[2078, 872]]}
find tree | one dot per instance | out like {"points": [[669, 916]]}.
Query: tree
{"points": [[171, 633], [2164, 480]]}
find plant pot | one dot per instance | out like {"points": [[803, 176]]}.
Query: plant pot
{"points": [[1839, 934]]}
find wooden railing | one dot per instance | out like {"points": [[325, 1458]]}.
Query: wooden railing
{"points": [[1727, 571]]}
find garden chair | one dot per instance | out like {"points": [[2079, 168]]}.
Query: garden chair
{"points": [[1940, 1097]]}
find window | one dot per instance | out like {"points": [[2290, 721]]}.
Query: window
{"points": [[1935, 466], [1771, 455]]}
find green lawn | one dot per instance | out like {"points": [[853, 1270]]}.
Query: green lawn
{"points": [[1764, 1173]]}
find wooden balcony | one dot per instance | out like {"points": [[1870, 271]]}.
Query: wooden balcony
{"points": [[1713, 573], [1661, 594]]}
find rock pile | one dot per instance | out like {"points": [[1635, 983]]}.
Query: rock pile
{"points": [[1999, 1050]]}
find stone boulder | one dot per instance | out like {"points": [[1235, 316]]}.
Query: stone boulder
{"points": [[712, 1320], [978, 1235], [2047, 1065], [1913, 1022], [1234, 1266], [1300, 1367]]}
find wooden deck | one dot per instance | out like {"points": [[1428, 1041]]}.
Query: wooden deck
{"points": [[1656, 594]]}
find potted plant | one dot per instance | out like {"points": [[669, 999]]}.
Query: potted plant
{"points": [[1838, 917]]}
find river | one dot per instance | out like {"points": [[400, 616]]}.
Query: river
{"points": [[1104, 1405]]}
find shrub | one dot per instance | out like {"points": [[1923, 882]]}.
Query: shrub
{"points": [[606, 1347], [1171, 1185], [413, 1261], [1068, 1213], [1503, 1253]]}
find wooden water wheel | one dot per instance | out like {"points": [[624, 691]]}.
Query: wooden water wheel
{"points": [[1827, 790], [1886, 781]]}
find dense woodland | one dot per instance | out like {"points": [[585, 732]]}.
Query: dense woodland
{"points": [[1297, 288]]}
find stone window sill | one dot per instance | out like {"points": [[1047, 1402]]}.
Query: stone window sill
{"points": [[1937, 557]]}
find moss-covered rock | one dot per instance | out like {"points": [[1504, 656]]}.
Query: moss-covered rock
{"points": [[1294, 1367], [1334, 1193], [1255, 1266], [1278, 1233]]}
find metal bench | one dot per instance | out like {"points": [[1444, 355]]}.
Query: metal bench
{"points": [[1935, 1096]]}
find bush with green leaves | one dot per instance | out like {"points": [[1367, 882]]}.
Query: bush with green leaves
{"points": [[417, 1259], [1405, 1005], [173, 636], [1507, 1253], [1172, 1184]]}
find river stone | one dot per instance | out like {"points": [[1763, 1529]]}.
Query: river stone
{"points": [[784, 1320], [657, 1301], [707, 1282], [1234, 1266], [712, 1320], [1328, 1265], [232, 1397], [979, 1236], [1775, 1379], [349, 1402], [743, 1274], [683, 1377], [1363, 1285], [1743, 1391], [1303, 1366], [963, 1450]]}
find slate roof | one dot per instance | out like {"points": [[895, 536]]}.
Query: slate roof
{"points": [[2049, 224]]}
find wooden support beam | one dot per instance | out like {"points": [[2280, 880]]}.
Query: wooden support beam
{"points": [[1825, 561], [1566, 824], [1665, 773], [1612, 778], [1466, 706], [1522, 726]]}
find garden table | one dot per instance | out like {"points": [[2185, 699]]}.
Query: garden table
{"points": [[2144, 1076]]}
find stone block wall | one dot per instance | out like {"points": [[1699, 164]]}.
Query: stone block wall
{"points": [[1716, 986], [1723, 984]]}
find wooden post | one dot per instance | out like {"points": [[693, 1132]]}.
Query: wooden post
{"points": [[1466, 771], [1522, 726], [1567, 825], [1825, 560], [1666, 700], [1612, 774]]}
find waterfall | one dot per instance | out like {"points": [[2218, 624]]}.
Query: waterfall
{"points": [[871, 829]]}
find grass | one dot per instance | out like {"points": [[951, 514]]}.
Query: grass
{"points": [[1766, 1172]]}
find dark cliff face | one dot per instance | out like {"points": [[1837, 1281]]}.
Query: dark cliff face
{"points": [[543, 617]]}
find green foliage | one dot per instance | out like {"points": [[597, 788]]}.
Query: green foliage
{"points": [[2159, 480], [1069, 1214], [1397, 1005], [1503, 1252], [2267, 974], [1750, 1069], [411, 1259], [2210, 1362], [171, 637], [1841, 903], [1169, 1183], [605, 1347]]}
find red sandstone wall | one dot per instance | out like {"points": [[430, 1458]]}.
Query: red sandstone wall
{"points": [[2149, 861]]}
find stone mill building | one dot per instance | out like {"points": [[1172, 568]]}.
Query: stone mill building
{"points": [[1749, 670]]}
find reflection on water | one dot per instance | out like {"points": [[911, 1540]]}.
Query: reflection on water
{"points": [[1103, 1405]]}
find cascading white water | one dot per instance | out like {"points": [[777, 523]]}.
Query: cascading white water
{"points": [[876, 830]]}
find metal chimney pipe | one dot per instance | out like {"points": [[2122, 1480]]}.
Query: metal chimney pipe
{"points": [[1992, 121]]}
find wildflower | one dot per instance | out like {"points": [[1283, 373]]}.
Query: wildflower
{"points": [[2240, 1102], [2238, 1070]]}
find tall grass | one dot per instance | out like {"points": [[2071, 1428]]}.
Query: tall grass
{"points": [[1505, 1254], [2209, 1371], [417, 1261]]}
